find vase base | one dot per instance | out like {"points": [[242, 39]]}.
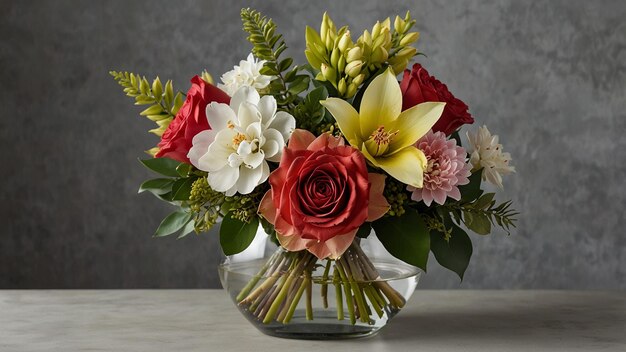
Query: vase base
{"points": [[325, 326]]}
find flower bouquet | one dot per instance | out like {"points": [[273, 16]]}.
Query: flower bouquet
{"points": [[316, 158]]}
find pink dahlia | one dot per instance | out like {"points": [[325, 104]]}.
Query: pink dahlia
{"points": [[446, 169]]}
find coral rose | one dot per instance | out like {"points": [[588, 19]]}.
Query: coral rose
{"points": [[321, 194], [418, 87], [190, 120]]}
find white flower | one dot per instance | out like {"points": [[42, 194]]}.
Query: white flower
{"points": [[242, 137], [487, 153], [245, 75]]}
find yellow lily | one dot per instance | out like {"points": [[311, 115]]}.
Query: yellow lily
{"points": [[384, 133]]}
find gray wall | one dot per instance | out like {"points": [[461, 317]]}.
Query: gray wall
{"points": [[547, 76]]}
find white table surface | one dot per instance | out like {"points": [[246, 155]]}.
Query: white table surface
{"points": [[206, 320]]}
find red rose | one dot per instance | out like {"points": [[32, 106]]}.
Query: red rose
{"points": [[321, 194], [418, 87], [190, 120]]}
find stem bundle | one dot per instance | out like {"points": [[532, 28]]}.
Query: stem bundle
{"points": [[276, 291]]}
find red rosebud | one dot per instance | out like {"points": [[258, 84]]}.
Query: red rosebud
{"points": [[190, 120], [418, 87]]}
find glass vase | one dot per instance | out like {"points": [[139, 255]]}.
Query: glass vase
{"points": [[296, 295]]}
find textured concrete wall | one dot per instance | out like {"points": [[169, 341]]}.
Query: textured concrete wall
{"points": [[547, 76]]}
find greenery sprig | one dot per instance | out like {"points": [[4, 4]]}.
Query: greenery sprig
{"points": [[268, 45], [164, 104]]}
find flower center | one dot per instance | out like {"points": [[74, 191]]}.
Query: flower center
{"points": [[378, 143], [238, 139]]}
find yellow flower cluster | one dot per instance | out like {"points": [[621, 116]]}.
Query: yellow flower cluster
{"points": [[347, 64]]}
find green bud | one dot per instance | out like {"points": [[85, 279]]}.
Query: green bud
{"points": [[407, 52], [334, 57], [379, 55], [320, 77], [354, 68], [351, 90], [330, 40], [329, 73], [358, 79], [376, 29], [341, 87], [341, 65], [399, 66], [367, 38], [207, 77], [354, 54], [409, 38], [399, 24], [324, 26], [345, 41]]}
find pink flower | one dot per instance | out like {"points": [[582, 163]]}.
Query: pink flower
{"points": [[446, 169], [321, 194]]}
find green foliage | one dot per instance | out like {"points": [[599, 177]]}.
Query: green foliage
{"points": [[157, 186], [269, 45], [310, 114], [406, 237], [173, 223], [205, 204], [471, 191], [481, 214], [397, 196], [236, 235], [163, 103], [452, 248], [163, 166], [244, 207]]}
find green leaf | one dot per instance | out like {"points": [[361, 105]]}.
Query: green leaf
{"points": [[455, 253], [364, 230], [157, 186], [284, 65], [472, 191], [163, 166], [406, 237], [235, 235], [172, 223], [479, 223], [187, 229], [484, 201], [183, 169], [181, 190]]}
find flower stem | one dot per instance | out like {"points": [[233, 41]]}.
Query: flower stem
{"points": [[346, 288], [338, 295], [325, 284]]}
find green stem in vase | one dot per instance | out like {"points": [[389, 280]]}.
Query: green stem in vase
{"points": [[358, 293], [244, 292], [295, 271], [346, 288], [325, 284], [294, 302], [338, 295], [309, 295]]}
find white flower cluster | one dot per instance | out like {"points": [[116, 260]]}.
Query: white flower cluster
{"points": [[247, 74], [486, 152]]}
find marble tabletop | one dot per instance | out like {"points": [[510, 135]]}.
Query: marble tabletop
{"points": [[206, 320]]}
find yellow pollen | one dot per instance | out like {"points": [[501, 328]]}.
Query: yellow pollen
{"points": [[381, 137], [230, 125], [238, 139]]}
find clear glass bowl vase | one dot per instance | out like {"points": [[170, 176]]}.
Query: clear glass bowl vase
{"points": [[296, 295]]}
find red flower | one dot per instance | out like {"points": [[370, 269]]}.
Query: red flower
{"points": [[418, 87], [321, 194], [190, 120]]}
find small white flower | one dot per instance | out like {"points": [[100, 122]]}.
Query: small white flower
{"points": [[242, 137], [486, 152], [245, 75]]}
